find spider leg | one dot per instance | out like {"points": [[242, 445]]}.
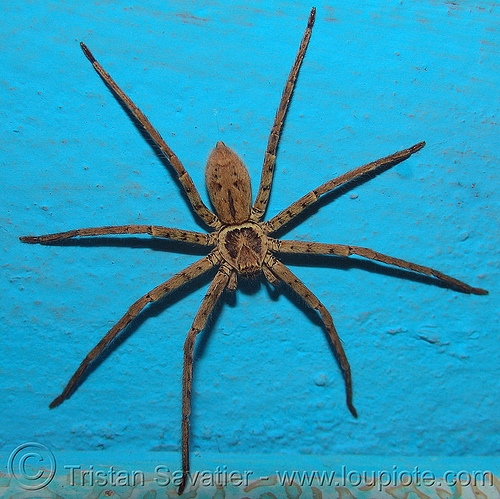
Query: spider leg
{"points": [[284, 246], [260, 204], [199, 267], [285, 274], [198, 206], [153, 230], [300, 205], [216, 288]]}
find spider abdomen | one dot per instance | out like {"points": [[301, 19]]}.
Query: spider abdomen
{"points": [[244, 247], [228, 185]]}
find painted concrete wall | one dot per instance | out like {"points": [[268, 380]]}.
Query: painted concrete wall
{"points": [[378, 77]]}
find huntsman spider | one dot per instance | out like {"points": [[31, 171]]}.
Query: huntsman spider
{"points": [[240, 243]]}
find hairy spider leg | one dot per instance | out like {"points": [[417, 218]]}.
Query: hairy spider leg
{"points": [[194, 198], [216, 288], [302, 247], [296, 208], [189, 273], [284, 274], [186, 236], [262, 198]]}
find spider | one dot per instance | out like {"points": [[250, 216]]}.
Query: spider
{"points": [[239, 243]]}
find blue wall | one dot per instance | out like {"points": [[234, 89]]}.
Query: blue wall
{"points": [[378, 77]]}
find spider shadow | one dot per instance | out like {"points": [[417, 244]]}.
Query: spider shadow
{"points": [[342, 263], [154, 244], [152, 309], [158, 152], [352, 262], [331, 196], [327, 198], [248, 286]]}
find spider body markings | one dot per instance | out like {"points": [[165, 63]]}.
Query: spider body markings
{"points": [[244, 248], [240, 242]]}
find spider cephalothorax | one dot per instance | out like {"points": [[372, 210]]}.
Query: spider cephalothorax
{"points": [[239, 242], [243, 247]]}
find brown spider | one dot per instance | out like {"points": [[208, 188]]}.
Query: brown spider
{"points": [[240, 243]]}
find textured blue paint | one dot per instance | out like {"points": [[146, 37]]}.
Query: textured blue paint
{"points": [[378, 77]]}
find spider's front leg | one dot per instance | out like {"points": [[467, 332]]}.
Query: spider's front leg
{"points": [[184, 178], [274, 267], [288, 214], [186, 236], [261, 200]]}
